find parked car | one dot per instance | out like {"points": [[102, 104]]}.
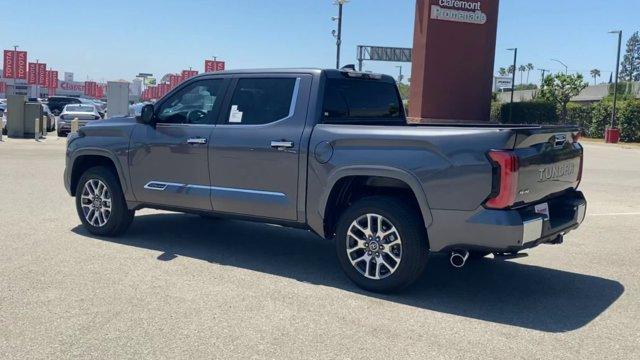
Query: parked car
{"points": [[85, 113], [100, 106], [331, 151], [57, 103]]}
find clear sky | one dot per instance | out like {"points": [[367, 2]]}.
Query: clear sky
{"points": [[114, 39]]}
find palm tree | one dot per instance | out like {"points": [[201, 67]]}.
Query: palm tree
{"points": [[595, 74], [502, 71], [529, 68], [511, 69], [522, 69]]}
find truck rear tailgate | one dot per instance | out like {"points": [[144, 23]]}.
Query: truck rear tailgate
{"points": [[550, 162]]}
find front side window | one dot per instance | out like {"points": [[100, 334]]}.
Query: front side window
{"points": [[194, 104], [261, 101]]}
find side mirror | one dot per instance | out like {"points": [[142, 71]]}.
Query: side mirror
{"points": [[147, 115]]}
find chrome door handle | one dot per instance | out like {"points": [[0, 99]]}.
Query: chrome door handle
{"points": [[196, 141], [282, 144]]}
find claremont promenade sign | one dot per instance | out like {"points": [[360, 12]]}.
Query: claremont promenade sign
{"points": [[453, 54]]}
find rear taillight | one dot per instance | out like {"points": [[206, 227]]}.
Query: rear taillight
{"points": [[506, 163], [580, 170]]}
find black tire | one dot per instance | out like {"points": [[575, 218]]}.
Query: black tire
{"points": [[411, 229], [120, 217]]}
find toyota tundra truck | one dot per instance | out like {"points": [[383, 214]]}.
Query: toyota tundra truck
{"points": [[331, 151]]}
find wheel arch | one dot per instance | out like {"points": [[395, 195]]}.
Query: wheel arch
{"points": [[400, 181], [88, 158]]}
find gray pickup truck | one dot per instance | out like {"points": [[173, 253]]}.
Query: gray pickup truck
{"points": [[331, 151]]}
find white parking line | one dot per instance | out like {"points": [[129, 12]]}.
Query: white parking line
{"points": [[617, 214]]}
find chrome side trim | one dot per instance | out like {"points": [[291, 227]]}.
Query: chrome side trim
{"points": [[247, 191], [162, 186], [531, 230]]}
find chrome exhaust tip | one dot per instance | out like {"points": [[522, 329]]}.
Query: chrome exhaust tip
{"points": [[458, 258]]}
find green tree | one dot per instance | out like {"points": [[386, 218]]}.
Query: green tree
{"points": [[559, 89], [511, 69], [595, 74], [404, 90], [529, 68], [503, 71], [521, 69], [630, 66]]}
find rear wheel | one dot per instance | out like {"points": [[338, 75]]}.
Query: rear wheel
{"points": [[100, 203], [381, 244]]}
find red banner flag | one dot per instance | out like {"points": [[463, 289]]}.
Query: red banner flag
{"points": [[41, 71], [47, 79], [186, 74], [8, 64], [32, 75], [53, 83], [213, 66], [174, 80], [99, 91], [21, 65]]}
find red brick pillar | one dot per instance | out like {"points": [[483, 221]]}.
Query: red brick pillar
{"points": [[453, 54]]}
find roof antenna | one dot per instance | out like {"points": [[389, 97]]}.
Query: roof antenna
{"points": [[350, 67]]}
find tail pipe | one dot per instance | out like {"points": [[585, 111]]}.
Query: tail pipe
{"points": [[458, 258]]}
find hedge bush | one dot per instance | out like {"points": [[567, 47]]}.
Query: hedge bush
{"points": [[629, 121], [533, 112], [579, 115], [600, 118]]}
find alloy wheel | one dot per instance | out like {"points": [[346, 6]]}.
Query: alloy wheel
{"points": [[374, 246], [96, 202]]}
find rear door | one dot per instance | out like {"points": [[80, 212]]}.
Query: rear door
{"points": [[256, 146], [169, 162]]}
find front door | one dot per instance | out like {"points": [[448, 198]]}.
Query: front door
{"points": [[169, 162], [256, 146]]}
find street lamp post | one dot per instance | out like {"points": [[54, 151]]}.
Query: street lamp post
{"points": [[338, 36], [566, 68], [400, 77], [543, 71], [513, 81], [615, 84]]}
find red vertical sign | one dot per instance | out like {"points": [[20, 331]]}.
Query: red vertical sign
{"points": [[213, 66], [8, 64], [47, 79], [41, 71], [32, 76], [186, 74], [53, 83], [21, 65], [174, 80]]}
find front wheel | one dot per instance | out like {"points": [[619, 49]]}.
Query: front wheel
{"points": [[100, 203], [381, 243]]}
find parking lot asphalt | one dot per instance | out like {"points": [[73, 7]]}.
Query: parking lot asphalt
{"points": [[180, 286]]}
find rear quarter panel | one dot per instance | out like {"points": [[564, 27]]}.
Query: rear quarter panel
{"points": [[449, 164]]}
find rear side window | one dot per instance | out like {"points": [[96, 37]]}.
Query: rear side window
{"points": [[261, 101], [361, 101]]}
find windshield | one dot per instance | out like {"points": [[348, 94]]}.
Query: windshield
{"points": [[79, 108]]}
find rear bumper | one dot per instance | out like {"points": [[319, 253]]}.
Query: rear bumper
{"points": [[506, 230]]}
